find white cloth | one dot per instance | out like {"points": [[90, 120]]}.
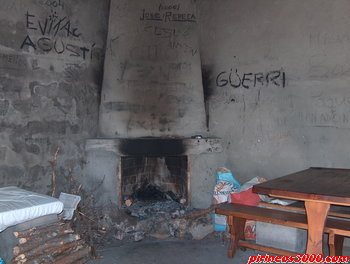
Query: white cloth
{"points": [[18, 206]]}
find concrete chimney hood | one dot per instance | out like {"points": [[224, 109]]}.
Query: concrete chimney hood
{"points": [[152, 82], [152, 101]]}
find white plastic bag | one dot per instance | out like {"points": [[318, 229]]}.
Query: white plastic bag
{"points": [[225, 184]]}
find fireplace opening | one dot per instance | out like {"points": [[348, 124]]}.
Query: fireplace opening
{"points": [[150, 192], [149, 178]]}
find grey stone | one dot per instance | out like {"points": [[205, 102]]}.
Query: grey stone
{"points": [[138, 236], [200, 231], [3, 151], [119, 234], [129, 229], [11, 175], [283, 237], [4, 107]]}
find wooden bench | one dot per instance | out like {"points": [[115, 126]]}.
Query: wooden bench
{"points": [[335, 210], [237, 214]]}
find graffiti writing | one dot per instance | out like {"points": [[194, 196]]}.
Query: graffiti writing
{"points": [[184, 46], [53, 3], [152, 53], [12, 61], [166, 32], [167, 16], [333, 101], [247, 80], [316, 118], [164, 71], [169, 7], [52, 25], [54, 32], [59, 46]]}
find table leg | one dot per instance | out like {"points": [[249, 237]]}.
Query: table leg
{"points": [[316, 217], [236, 226]]}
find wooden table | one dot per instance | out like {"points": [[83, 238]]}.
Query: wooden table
{"points": [[318, 188]]}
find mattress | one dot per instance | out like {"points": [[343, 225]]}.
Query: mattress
{"points": [[18, 205]]}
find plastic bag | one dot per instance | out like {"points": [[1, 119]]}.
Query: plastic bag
{"points": [[245, 195], [225, 184]]}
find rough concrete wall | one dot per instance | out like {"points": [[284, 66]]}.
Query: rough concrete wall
{"points": [[276, 78], [51, 58], [152, 82]]}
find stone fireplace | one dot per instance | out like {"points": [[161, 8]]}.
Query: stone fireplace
{"points": [[152, 106], [154, 178], [133, 168]]}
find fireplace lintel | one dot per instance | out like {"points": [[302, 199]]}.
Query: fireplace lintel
{"points": [[156, 146]]}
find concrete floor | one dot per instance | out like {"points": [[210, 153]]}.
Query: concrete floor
{"points": [[211, 250]]}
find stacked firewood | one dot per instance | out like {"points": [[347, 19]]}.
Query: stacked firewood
{"points": [[54, 243]]}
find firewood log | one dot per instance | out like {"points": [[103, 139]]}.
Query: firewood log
{"points": [[52, 256], [41, 229], [50, 243], [196, 214], [45, 236], [50, 250], [71, 258], [182, 201], [128, 202]]}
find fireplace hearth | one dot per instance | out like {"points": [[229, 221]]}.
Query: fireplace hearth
{"points": [[163, 180]]}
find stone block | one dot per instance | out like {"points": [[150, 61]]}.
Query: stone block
{"points": [[200, 231], [282, 237]]}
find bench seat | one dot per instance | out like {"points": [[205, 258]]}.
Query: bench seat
{"points": [[238, 213]]}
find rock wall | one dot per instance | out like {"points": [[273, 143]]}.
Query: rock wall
{"points": [[51, 62]]}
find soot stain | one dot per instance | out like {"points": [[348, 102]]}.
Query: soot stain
{"points": [[207, 73], [156, 147]]}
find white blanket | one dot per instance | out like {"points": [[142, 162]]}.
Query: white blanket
{"points": [[18, 206]]}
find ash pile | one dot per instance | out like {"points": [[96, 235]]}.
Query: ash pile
{"points": [[149, 212]]}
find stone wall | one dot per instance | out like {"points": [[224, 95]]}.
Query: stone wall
{"points": [[275, 86], [51, 63], [276, 79]]}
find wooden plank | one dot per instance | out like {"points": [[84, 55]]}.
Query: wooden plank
{"points": [[236, 212], [273, 216], [264, 215], [336, 210], [272, 250], [322, 184]]}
